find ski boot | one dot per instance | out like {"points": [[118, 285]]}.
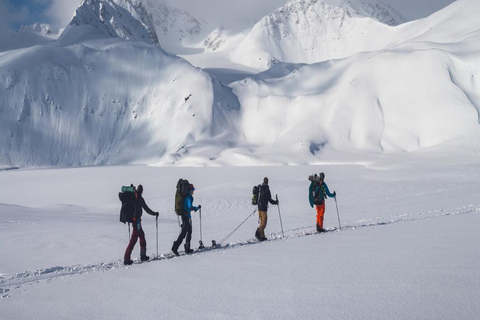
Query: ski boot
{"points": [[143, 255], [187, 248], [175, 249]]}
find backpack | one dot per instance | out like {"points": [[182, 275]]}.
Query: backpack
{"points": [[318, 197], [256, 194], [180, 194], [129, 203]]}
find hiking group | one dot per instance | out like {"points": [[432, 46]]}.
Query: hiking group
{"points": [[133, 205]]}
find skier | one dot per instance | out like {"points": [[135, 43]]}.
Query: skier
{"points": [[318, 192], [264, 198], [137, 228], [186, 222]]}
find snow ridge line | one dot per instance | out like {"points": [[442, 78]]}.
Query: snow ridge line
{"points": [[19, 280]]}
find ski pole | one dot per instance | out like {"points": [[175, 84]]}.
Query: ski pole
{"points": [[278, 206], [201, 246], [338, 215], [230, 234], [156, 223]]}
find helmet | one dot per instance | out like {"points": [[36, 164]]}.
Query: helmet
{"points": [[322, 176], [191, 187]]}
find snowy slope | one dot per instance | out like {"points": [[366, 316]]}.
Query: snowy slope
{"points": [[28, 36], [409, 242], [420, 92], [107, 100], [106, 93], [308, 31], [189, 26], [106, 103]]}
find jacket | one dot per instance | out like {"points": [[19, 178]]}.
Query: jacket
{"points": [[316, 188], [141, 204], [265, 197], [188, 205]]}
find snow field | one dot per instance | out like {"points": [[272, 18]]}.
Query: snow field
{"points": [[408, 228]]}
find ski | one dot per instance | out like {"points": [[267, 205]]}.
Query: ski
{"points": [[215, 246]]}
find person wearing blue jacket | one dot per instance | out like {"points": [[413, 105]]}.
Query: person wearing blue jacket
{"points": [[186, 222], [318, 192]]}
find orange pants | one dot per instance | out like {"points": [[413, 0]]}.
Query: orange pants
{"points": [[320, 214]]}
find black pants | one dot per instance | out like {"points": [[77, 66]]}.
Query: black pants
{"points": [[186, 231]]}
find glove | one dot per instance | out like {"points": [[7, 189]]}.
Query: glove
{"points": [[334, 194], [156, 214], [276, 202], [200, 206]]}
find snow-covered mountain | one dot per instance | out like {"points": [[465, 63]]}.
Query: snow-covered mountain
{"points": [[126, 19], [106, 93], [308, 31], [107, 100], [27, 36], [419, 93]]}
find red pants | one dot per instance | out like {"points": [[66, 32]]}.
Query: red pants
{"points": [[320, 213], [137, 233]]}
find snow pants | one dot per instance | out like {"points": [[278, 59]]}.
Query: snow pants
{"points": [[137, 233], [185, 232], [320, 214], [262, 215]]}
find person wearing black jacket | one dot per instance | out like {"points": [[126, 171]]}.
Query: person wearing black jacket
{"points": [[264, 198], [137, 229]]}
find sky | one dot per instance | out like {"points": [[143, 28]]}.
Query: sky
{"points": [[15, 13]]}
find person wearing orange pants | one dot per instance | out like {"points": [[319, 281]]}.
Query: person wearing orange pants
{"points": [[318, 192], [320, 215]]}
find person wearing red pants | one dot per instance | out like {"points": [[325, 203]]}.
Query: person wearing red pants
{"points": [[137, 229], [318, 192]]}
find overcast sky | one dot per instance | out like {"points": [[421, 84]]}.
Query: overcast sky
{"points": [[58, 13]]}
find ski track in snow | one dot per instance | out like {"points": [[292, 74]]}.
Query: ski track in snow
{"points": [[9, 283]]}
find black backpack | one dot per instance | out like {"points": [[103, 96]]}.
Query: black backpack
{"points": [[180, 194], [129, 203], [318, 197]]}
